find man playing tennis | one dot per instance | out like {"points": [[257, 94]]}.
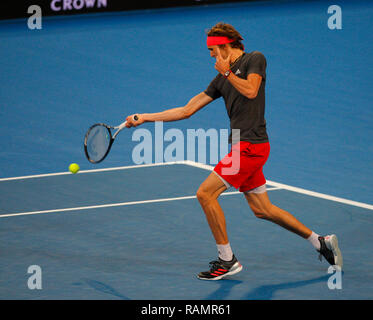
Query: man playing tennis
{"points": [[241, 82]]}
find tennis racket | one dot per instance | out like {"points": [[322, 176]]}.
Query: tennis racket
{"points": [[99, 139]]}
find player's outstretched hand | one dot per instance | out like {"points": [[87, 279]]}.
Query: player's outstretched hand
{"points": [[134, 120]]}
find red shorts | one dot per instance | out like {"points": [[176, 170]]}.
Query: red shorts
{"points": [[243, 166]]}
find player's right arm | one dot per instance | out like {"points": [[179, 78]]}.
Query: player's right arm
{"points": [[174, 114]]}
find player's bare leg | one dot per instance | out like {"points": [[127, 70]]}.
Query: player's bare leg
{"points": [[207, 195], [264, 209]]}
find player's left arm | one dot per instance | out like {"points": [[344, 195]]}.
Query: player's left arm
{"points": [[248, 87]]}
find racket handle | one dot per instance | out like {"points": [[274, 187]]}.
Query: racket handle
{"points": [[121, 126]]}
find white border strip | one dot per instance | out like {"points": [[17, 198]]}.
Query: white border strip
{"points": [[210, 168], [321, 195], [113, 205], [91, 171], [295, 189]]}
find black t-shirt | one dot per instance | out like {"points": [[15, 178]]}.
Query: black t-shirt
{"points": [[244, 114]]}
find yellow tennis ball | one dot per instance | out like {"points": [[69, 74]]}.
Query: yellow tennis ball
{"points": [[74, 168]]}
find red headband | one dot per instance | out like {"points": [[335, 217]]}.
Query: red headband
{"points": [[213, 41]]}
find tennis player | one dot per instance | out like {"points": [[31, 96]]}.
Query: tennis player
{"points": [[241, 82]]}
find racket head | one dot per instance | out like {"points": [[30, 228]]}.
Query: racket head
{"points": [[97, 142]]}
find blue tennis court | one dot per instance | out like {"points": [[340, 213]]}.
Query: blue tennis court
{"points": [[95, 237], [118, 230]]}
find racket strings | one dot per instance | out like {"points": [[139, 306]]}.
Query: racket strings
{"points": [[98, 143]]}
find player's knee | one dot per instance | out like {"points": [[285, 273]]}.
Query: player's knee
{"points": [[203, 196]]}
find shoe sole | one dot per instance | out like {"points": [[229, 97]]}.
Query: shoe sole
{"points": [[332, 244], [236, 268]]}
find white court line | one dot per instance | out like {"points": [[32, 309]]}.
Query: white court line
{"points": [[113, 205], [90, 171], [295, 189], [210, 168]]}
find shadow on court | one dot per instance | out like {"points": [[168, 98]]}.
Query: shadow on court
{"points": [[104, 288], [226, 286], [265, 292]]}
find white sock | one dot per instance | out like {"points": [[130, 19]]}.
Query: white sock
{"points": [[314, 239], [225, 252]]}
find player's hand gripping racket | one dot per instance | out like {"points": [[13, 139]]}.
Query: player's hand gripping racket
{"points": [[99, 139]]}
